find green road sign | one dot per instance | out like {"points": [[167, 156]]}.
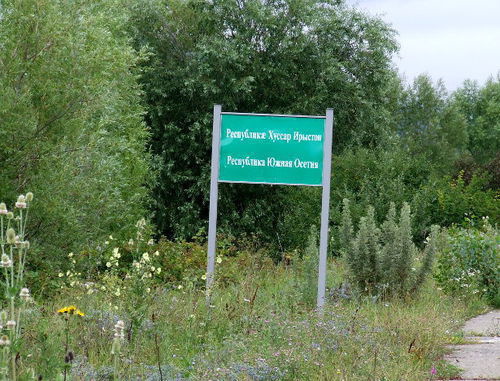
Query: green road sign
{"points": [[271, 149]]}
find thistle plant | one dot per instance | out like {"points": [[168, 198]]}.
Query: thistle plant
{"points": [[116, 347], [14, 249]]}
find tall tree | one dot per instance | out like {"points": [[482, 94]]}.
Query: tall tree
{"points": [[481, 108], [277, 56], [71, 127], [430, 125]]}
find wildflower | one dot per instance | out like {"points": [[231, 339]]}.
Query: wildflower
{"points": [[6, 262], [179, 287], [11, 324], [433, 370], [130, 241], [3, 208], [119, 329], [116, 253], [70, 310], [108, 264], [219, 260], [25, 294], [156, 253], [204, 277], [29, 197], [151, 242], [70, 255], [21, 202], [10, 215], [145, 256], [111, 237], [158, 270], [11, 236], [4, 340]]}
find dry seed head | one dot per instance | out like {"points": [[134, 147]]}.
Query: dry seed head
{"points": [[4, 340], [21, 202], [11, 236], [6, 262], [25, 294], [3, 208]]}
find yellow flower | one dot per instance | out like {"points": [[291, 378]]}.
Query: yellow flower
{"points": [[70, 310]]}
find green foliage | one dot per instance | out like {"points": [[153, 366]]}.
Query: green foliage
{"points": [[481, 108], [285, 57], [71, 122], [383, 259], [308, 267], [470, 262], [374, 177], [446, 201], [431, 125]]}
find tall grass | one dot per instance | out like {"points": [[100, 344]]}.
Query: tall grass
{"points": [[259, 327]]}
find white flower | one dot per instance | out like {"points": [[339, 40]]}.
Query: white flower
{"points": [[219, 260], [158, 270], [4, 340], [116, 253], [61, 275], [145, 256], [108, 264], [179, 287], [151, 242], [156, 253], [204, 277], [25, 294], [3, 208], [70, 255], [6, 262], [21, 202], [11, 324], [130, 241]]}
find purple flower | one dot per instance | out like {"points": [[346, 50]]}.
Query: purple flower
{"points": [[433, 370]]}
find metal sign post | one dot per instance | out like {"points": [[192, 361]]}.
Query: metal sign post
{"points": [[271, 149]]}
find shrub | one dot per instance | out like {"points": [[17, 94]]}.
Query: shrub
{"points": [[470, 264], [383, 260], [445, 201]]}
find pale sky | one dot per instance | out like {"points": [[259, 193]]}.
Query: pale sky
{"points": [[449, 39]]}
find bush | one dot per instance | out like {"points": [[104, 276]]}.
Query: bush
{"points": [[446, 201], [470, 264], [383, 259]]}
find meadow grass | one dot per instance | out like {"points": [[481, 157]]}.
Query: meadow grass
{"points": [[261, 327]]}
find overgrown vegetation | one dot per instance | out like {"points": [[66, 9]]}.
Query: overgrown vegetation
{"points": [[383, 260], [470, 264], [105, 112]]}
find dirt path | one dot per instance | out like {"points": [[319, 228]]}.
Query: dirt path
{"points": [[480, 360]]}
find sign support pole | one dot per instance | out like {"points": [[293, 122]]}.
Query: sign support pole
{"points": [[214, 194], [325, 208]]}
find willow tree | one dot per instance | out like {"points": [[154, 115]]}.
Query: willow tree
{"points": [[71, 127], [279, 56]]}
